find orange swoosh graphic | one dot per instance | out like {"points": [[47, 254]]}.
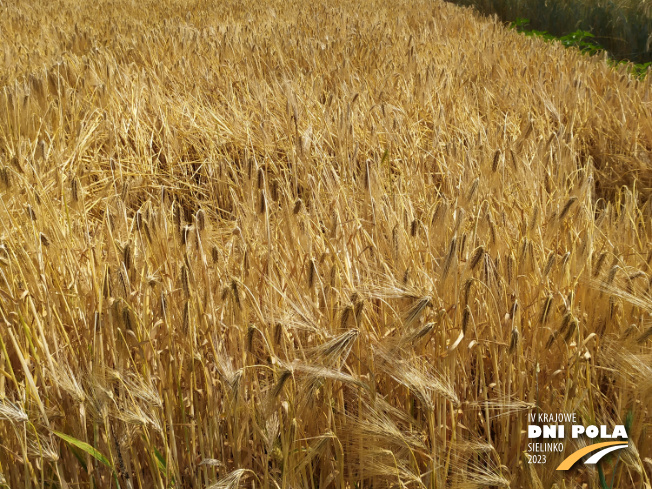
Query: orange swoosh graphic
{"points": [[575, 456]]}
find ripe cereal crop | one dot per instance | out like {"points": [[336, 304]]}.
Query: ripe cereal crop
{"points": [[315, 245]]}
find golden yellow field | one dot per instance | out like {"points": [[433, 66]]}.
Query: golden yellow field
{"points": [[295, 244]]}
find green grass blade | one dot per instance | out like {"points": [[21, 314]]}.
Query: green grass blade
{"points": [[93, 452], [160, 461]]}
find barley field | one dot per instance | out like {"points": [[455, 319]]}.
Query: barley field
{"points": [[294, 244]]}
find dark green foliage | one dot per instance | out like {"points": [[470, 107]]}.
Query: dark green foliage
{"points": [[582, 40], [622, 28]]}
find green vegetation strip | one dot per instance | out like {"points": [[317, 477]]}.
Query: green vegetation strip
{"points": [[582, 40]]}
